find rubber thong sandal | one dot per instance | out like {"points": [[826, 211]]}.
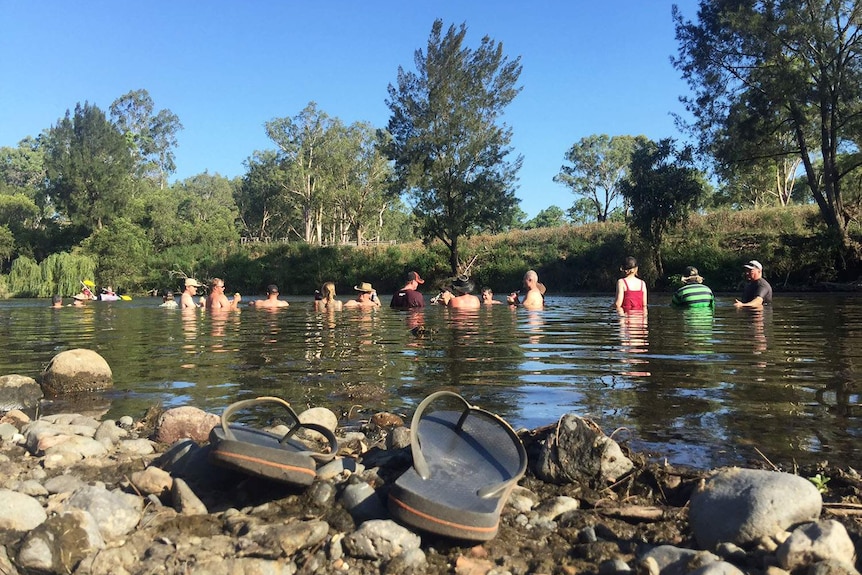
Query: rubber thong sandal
{"points": [[465, 464], [257, 452]]}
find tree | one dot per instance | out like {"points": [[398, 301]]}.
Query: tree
{"points": [[151, 136], [759, 69], [550, 217], [264, 209], [449, 148], [302, 144], [598, 164], [88, 166], [662, 188]]}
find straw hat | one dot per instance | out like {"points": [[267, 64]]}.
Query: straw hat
{"points": [[364, 287]]}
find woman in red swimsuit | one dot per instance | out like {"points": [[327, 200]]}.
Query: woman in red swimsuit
{"points": [[631, 290]]}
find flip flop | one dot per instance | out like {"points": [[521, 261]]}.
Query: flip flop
{"points": [[465, 464], [265, 454]]}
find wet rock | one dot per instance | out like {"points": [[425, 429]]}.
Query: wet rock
{"points": [[580, 452], [20, 512], [76, 370], [813, 542], [742, 505], [185, 422], [19, 392]]}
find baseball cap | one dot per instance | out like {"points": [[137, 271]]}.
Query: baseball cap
{"points": [[411, 276], [754, 265]]}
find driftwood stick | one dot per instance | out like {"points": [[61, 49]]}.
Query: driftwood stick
{"points": [[633, 512]]}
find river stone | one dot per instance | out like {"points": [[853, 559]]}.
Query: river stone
{"points": [[742, 505], [186, 422], [60, 543], [579, 452], [20, 512], [18, 392], [76, 370], [117, 513], [814, 542], [380, 539]]}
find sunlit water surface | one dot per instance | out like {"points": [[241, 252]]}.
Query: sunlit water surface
{"points": [[697, 388]]}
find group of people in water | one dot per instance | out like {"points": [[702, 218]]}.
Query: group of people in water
{"points": [[631, 293]]}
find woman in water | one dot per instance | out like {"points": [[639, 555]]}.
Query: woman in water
{"points": [[327, 301], [631, 290]]}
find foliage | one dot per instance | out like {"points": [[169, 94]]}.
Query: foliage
{"points": [[662, 189], [598, 164], [25, 278], [151, 136], [550, 217], [820, 481], [450, 150], [88, 167], [763, 70], [121, 251], [62, 274]]}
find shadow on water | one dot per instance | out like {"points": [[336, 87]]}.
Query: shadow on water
{"points": [[700, 387]]}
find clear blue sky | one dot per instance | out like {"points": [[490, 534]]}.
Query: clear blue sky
{"points": [[224, 68]]}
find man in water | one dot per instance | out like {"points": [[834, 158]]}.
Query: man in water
{"points": [[217, 301], [693, 293], [271, 300], [409, 296], [187, 300], [757, 292], [462, 296], [535, 296], [367, 298]]}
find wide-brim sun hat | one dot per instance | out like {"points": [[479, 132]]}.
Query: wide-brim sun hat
{"points": [[462, 285], [364, 287]]}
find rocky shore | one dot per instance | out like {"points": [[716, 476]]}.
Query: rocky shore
{"points": [[141, 495], [83, 496]]}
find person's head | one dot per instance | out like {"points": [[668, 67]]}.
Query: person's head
{"points": [[328, 291], [79, 299], [272, 289], [415, 279], [169, 296], [217, 286], [691, 276], [192, 285], [57, 301], [365, 290], [461, 285], [487, 294], [531, 278], [754, 270], [630, 266]]}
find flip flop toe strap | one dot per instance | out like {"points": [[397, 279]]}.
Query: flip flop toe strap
{"points": [[295, 425], [421, 465]]}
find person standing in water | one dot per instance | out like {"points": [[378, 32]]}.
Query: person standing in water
{"points": [[631, 290]]}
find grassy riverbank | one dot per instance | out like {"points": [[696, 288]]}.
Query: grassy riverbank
{"points": [[791, 243]]}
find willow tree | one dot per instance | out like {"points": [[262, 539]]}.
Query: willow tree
{"points": [[448, 143], [760, 70]]}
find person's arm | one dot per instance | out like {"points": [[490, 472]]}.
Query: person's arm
{"points": [[756, 302], [618, 302], [512, 298], [643, 289], [234, 303]]}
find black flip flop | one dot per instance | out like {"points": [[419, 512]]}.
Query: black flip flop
{"points": [[267, 455], [465, 464]]}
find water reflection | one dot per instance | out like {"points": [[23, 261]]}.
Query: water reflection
{"points": [[699, 386]]}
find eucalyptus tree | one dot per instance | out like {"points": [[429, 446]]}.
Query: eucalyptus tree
{"points": [[449, 145], [597, 165], [759, 69], [361, 175], [151, 135], [663, 187], [550, 217], [88, 168], [302, 143], [264, 208]]}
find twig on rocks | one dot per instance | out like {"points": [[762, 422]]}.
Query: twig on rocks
{"points": [[766, 459]]}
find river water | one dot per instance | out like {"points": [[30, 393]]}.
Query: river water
{"points": [[697, 388]]}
